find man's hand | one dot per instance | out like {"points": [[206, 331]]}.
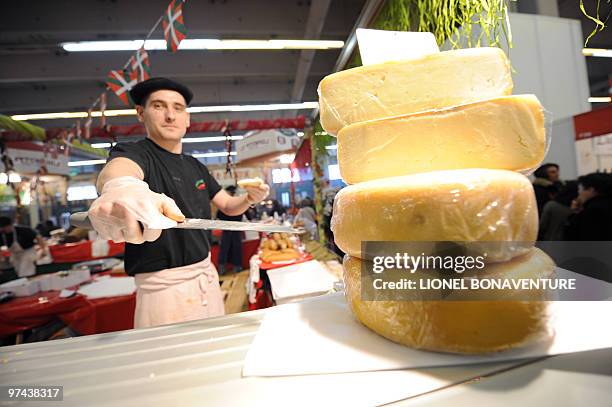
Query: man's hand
{"points": [[125, 204], [257, 194]]}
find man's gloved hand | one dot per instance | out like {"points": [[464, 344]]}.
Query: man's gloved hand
{"points": [[126, 201], [257, 194]]}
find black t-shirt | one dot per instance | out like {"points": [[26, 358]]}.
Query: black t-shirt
{"points": [[187, 181], [25, 237]]}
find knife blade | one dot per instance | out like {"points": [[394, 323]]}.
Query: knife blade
{"points": [[81, 220]]}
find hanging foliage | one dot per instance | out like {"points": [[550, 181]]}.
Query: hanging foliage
{"points": [[444, 17], [600, 22]]}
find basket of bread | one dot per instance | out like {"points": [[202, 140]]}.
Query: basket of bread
{"points": [[278, 247]]}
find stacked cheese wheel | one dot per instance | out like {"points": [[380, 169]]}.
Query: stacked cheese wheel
{"points": [[432, 148]]}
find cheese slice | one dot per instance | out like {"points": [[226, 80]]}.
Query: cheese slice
{"points": [[504, 133], [460, 326], [435, 81], [472, 205]]}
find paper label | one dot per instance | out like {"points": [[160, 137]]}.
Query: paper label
{"points": [[378, 46]]}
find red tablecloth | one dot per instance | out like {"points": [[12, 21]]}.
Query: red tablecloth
{"points": [[81, 314], [81, 251]]}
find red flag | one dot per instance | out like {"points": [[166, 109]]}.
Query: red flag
{"points": [[139, 64], [120, 82], [102, 109], [174, 26]]}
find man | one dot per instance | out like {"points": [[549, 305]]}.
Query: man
{"points": [[592, 217], [146, 188], [20, 241], [230, 250], [546, 184]]}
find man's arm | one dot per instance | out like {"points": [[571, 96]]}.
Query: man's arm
{"points": [[127, 210], [119, 167], [237, 205]]}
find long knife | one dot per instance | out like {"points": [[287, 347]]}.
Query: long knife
{"points": [[81, 220]]}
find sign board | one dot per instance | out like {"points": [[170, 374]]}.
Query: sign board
{"points": [[29, 158], [261, 143]]}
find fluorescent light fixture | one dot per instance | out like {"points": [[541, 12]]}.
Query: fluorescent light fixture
{"points": [[85, 162], [209, 139], [194, 109], [597, 52], [213, 154], [102, 145], [253, 108], [201, 44], [332, 147], [600, 99]]}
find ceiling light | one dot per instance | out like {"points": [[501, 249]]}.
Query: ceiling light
{"points": [[85, 162], [194, 109], [600, 99], [209, 139], [597, 52], [102, 145], [252, 108], [201, 44], [213, 154]]}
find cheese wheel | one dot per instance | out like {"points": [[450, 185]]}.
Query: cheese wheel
{"points": [[459, 326], [434, 81], [503, 133], [472, 205], [250, 182]]}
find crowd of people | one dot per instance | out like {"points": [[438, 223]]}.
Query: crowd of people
{"points": [[577, 210]]}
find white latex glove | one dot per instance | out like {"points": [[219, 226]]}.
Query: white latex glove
{"points": [[257, 194], [124, 202]]}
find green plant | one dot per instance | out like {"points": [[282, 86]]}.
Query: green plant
{"points": [[599, 23], [444, 17]]}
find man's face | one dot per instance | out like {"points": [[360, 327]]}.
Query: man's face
{"points": [[553, 173], [164, 115], [584, 194]]}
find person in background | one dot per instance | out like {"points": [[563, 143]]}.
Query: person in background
{"points": [[231, 241], [546, 184], [592, 217], [307, 218], [272, 206], [556, 212], [20, 241]]}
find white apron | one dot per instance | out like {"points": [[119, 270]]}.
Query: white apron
{"points": [[24, 260], [178, 294]]}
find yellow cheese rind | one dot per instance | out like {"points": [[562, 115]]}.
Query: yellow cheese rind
{"points": [[435, 81], [500, 133], [472, 205], [458, 326]]}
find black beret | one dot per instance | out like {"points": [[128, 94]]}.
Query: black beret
{"points": [[145, 88]]}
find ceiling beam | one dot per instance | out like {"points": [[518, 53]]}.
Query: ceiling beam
{"points": [[314, 27]]}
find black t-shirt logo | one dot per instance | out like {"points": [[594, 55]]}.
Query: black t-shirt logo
{"points": [[200, 184]]}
